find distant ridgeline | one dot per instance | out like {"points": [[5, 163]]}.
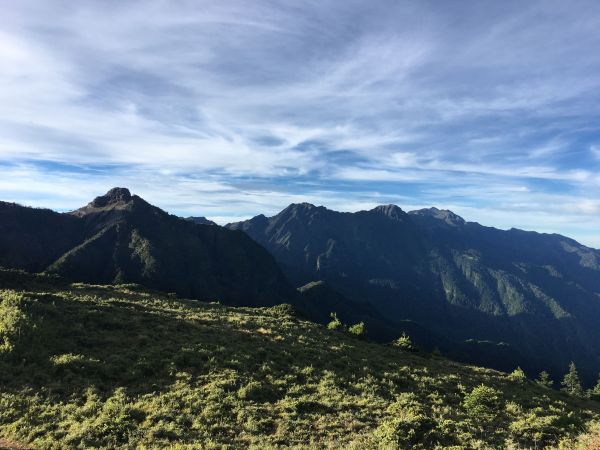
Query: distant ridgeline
{"points": [[482, 295], [478, 294]]}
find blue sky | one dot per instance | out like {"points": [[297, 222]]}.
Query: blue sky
{"points": [[233, 108]]}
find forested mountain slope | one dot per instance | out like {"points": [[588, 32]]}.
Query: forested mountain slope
{"points": [[120, 237], [503, 297]]}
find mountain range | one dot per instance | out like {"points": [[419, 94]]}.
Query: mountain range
{"points": [[493, 297], [120, 238], [481, 295]]}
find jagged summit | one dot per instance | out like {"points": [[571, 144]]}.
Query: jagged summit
{"points": [[391, 211], [115, 205], [117, 198], [115, 195], [295, 209], [303, 206], [441, 214]]}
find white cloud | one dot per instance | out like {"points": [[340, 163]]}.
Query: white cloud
{"points": [[187, 103]]}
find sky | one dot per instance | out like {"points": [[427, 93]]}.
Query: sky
{"points": [[230, 109]]}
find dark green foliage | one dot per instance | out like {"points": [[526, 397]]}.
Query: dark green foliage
{"points": [[121, 367], [545, 380], [571, 384]]}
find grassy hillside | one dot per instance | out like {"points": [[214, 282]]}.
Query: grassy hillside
{"points": [[498, 298], [119, 367]]}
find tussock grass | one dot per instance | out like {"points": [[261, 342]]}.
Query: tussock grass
{"points": [[121, 367]]}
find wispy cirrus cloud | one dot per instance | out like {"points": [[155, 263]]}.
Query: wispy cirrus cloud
{"points": [[229, 109]]}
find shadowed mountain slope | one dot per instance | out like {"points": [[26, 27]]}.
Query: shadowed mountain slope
{"points": [[534, 299], [120, 237]]}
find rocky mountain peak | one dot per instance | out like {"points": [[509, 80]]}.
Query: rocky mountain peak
{"points": [[115, 195], [391, 211], [444, 215]]}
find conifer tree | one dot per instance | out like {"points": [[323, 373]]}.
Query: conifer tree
{"points": [[571, 382], [545, 380]]}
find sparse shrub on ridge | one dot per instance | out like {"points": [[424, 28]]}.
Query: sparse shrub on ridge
{"points": [[571, 383], [404, 343], [358, 329], [483, 403], [518, 375], [545, 380], [335, 323]]}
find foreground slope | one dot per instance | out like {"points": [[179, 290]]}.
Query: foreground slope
{"points": [[119, 237], [115, 367], [499, 298]]}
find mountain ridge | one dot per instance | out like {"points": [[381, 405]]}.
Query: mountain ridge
{"points": [[538, 292], [119, 237], [494, 297]]}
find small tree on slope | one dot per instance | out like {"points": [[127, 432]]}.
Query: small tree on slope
{"points": [[571, 382], [544, 379]]}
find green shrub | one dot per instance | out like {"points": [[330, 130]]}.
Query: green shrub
{"points": [[571, 382], [335, 324], [13, 322], [540, 426], [257, 392], [404, 343], [588, 440], [595, 391], [545, 380], [111, 424], [358, 329], [407, 424], [482, 403], [518, 375]]}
